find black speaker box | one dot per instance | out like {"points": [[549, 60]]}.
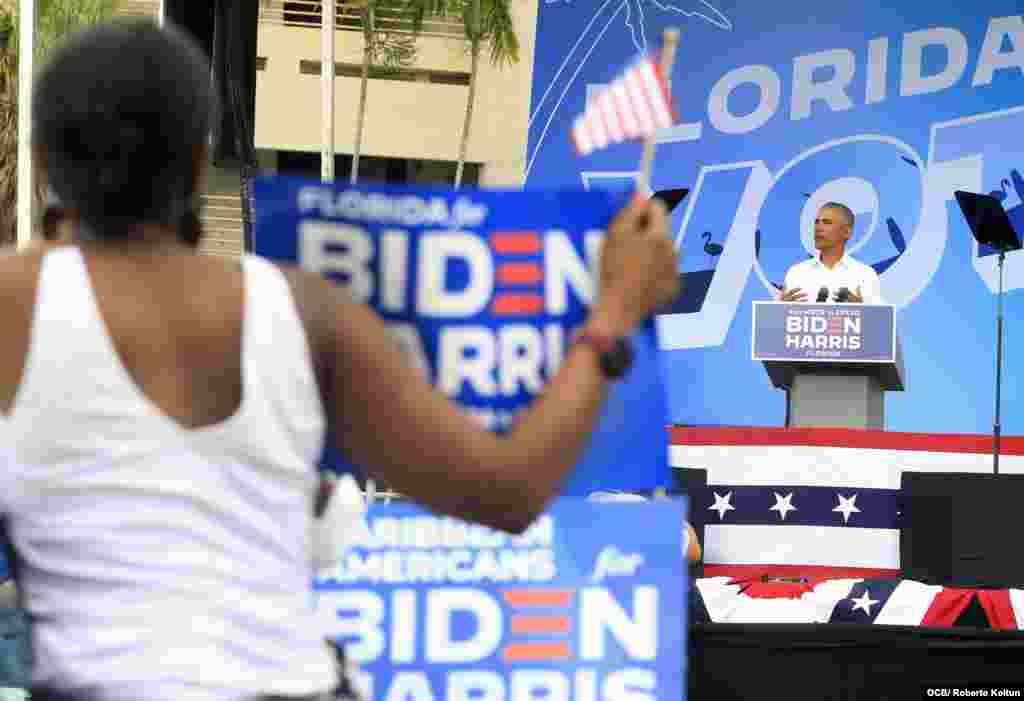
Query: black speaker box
{"points": [[961, 529]]}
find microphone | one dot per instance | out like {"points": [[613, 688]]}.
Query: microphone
{"points": [[822, 295], [843, 295]]}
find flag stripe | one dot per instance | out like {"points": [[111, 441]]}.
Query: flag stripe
{"points": [[998, 609], [625, 108], [877, 548], [855, 507], [606, 123], [946, 607], [908, 604], [647, 100], [1017, 602], [607, 106], [813, 573], [854, 438], [816, 466], [610, 104], [596, 128], [659, 109], [666, 91], [579, 139], [639, 101]]}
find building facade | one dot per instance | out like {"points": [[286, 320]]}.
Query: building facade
{"points": [[414, 114]]}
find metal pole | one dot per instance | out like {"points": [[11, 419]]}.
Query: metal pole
{"points": [[327, 85], [26, 49], [162, 17], [996, 427]]}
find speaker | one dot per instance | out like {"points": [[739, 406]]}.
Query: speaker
{"points": [[958, 529], [686, 480]]}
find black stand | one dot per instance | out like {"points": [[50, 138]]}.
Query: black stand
{"points": [[996, 426], [991, 227]]}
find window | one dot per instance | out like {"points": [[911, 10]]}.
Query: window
{"points": [[410, 75], [392, 16], [396, 171]]}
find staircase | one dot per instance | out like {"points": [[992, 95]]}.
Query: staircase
{"points": [[222, 214]]}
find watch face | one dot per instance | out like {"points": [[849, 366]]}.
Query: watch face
{"points": [[617, 361]]}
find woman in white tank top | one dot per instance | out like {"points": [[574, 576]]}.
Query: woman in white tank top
{"points": [[163, 410]]}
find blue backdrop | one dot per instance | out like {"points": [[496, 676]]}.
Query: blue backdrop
{"points": [[785, 106]]}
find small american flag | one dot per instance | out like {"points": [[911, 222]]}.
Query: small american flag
{"points": [[634, 106]]}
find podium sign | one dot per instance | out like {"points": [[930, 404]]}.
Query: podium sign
{"points": [[824, 333], [835, 361]]}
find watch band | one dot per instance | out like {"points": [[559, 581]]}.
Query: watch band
{"points": [[615, 353]]}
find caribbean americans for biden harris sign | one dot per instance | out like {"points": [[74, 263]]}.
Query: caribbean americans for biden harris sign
{"points": [[887, 107], [484, 291], [578, 608]]}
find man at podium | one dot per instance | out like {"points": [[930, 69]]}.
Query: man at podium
{"points": [[832, 276]]}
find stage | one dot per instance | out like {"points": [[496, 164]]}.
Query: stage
{"points": [[847, 662]]}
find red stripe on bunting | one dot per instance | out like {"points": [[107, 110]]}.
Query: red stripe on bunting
{"points": [[845, 438]]}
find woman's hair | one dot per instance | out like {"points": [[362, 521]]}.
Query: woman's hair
{"points": [[120, 113]]}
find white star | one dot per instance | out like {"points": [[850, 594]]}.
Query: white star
{"points": [[722, 505], [864, 602], [783, 504], [847, 507]]}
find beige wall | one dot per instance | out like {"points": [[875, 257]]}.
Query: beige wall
{"points": [[403, 119], [137, 8]]}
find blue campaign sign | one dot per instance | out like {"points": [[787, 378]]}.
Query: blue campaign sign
{"points": [[484, 290], [584, 606], [887, 107], [824, 332]]}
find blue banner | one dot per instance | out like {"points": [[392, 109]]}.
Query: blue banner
{"points": [[840, 333], [484, 290], [888, 108], [582, 606]]}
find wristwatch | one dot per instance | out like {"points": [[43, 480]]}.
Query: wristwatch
{"points": [[615, 352]]}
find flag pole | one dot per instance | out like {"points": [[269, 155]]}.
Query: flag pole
{"points": [[26, 51], [327, 38], [670, 41]]}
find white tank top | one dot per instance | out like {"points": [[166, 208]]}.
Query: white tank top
{"points": [[155, 558]]}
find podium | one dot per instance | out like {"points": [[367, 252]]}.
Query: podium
{"points": [[835, 361]]}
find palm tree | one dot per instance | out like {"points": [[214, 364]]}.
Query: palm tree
{"points": [[485, 22], [387, 50], [8, 123], [56, 20]]}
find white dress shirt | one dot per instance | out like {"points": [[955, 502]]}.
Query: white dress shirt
{"points": [[812, 275]]}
